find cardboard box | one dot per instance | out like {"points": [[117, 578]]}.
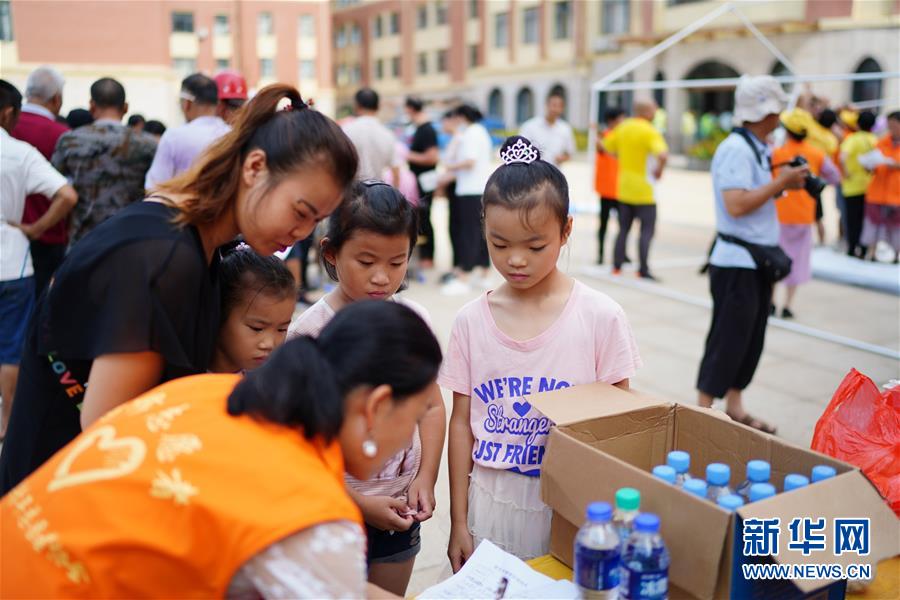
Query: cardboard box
{"points": [[606, 438]]}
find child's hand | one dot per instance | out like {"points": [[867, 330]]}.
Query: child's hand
{"points": [[461, 546], [383, 512], [421, 499]]}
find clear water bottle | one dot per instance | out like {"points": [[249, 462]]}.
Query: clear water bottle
{"points": [[628, 501], [696, 487], [794, 481], [730, 502], [758, 471], [820, 472], [681, 462], [718, 475], [666, 473], [597, 554], [645, 563], [761, 491]]}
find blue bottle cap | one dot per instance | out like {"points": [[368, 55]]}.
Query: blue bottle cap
{"points": [[761, 491], [696, 487], [646, 522], [679, 460], [730, 502], [820, 472], [599, 512], [718, 474], [758, 471], [665, 472], [794, 481]]}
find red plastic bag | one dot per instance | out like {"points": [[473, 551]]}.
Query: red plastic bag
{"points": [[861, 426]]}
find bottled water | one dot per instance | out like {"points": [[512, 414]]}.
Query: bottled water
{"points": [[645, 563], [681, 462], [758, 471], [730, 502], [761, 491], [628, 501], [696, 487], [597, 554], [820, 472], [794, 481], [717, 477], [666, 473]]}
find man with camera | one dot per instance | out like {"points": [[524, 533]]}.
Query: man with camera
{"points": [[745, 260]]}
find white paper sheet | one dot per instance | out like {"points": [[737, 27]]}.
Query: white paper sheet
{"points": [[484, 573]]}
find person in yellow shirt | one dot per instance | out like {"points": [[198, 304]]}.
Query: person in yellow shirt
{"points": [[642, 153], [856, 180]]}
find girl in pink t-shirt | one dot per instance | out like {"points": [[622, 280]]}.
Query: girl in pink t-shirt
{"points": [[366, 250], [541, 330]]}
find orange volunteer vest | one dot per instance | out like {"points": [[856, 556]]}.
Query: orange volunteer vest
{"points": [[606, 174], [166, 496], [885, 185], [796, 207]]}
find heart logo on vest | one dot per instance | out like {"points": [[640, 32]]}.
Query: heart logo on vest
{"points": [[521, 408], [123, 456]]}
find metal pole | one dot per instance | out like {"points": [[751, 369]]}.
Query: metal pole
{"points": [[728, 82]]}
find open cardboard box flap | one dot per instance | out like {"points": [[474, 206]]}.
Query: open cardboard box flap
{"points": [[589, 401]]}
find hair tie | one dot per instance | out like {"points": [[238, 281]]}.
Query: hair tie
{"points": [[522, 151], [297, 104]]}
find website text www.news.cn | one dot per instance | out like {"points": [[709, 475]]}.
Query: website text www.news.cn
{"points": [[814, 571]]}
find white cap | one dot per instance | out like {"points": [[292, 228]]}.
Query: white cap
{"points": [[756, 97]]}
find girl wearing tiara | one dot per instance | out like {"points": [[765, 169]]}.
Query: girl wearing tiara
{"points": [[540, 330]]}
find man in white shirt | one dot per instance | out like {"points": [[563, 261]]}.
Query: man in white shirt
{"points": [[23, 171], [550, 132], [375, 144]]}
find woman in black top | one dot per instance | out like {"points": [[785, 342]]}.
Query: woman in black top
{"points": [[135, 303]]}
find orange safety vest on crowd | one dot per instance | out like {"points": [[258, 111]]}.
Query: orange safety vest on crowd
{"points": [[797, 207], [885, 185], [166, 496], [606, 173]]}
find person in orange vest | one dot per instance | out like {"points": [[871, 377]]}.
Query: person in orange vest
{"points": [[882, 216], [606, 177], [797, 208], [219, 485]]}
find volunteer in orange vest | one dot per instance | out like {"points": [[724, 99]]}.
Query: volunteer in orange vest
{"points": [[606, 177], [882, 220], [797, 208], [218, 485]]}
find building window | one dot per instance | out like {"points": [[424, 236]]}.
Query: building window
{"points": [[524, 105], [616, 15], [340, 39], [501, 30], [423, 63], [221, 26], [184, 66], [530, 26], [422, 17], [356, 74], [266, 67], [306, 26], [264, 24], [182, 22], [395, 67], [6, 31], [495, 104], [473, 9], [869, 90], [440, 11], [307, 70], [562, 14], [473, 55], [441, 61], [379, 69], [377, 30], [223, 63], [395, 23], [355, 35]]}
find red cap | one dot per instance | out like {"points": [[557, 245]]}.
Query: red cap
{"points": [[232, 86]]}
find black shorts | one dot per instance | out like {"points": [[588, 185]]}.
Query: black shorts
{"points": [[387, 547]]}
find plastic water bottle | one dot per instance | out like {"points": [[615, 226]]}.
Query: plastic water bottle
{"points": [[597, 554], [681, 462], [645, 563], [628, 501], [717, 477], [820, 472], [761, 491], [666, 473], [794, 481], [696, 487], [730, 502], [758, 471]]}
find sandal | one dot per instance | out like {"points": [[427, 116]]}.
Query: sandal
{"points": [[751, 421]]}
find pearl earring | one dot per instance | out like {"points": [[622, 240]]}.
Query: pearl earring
{"points": [[369, 448]]}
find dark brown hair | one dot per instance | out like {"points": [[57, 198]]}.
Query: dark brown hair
{"points": [[243, 273], [290, 138]]}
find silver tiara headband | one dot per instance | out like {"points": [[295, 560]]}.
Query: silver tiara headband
{"points": [[520, 152]]}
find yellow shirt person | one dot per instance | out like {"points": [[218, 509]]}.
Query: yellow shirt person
{"points": [[857, 177], [636, 142]]}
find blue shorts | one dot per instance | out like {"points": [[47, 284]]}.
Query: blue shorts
{"points": [[16, 305]]}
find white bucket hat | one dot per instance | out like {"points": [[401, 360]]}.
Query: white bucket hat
{"points": [[757, 97]]}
